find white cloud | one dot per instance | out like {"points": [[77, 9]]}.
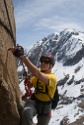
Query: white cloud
{"points": [[26, 12], [57, 23], [40, 17], [35, 10]]}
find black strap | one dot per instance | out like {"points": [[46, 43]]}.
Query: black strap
{"points": [[9, 22]]}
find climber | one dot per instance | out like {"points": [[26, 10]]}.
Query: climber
{"points": [[44, 82]]}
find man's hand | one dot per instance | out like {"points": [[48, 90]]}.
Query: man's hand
{"points": [[17, 51], [25, 74]]}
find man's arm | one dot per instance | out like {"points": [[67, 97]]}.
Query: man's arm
{"points": [[34, 70], [18, 52]]}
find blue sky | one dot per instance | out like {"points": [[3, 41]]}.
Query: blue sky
{"points": [[36, 19]]}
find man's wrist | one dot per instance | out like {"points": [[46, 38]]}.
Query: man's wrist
{"points": [[22, 57]]}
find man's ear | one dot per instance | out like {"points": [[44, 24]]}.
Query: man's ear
{"points": [[50, 66]]}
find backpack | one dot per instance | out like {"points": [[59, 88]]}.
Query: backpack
{"points": [[55, 99]]}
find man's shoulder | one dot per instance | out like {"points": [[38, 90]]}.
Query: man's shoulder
{"points": [[52, 75]]}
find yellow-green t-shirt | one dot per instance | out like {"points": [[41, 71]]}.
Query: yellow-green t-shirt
{"points": [[42, 91]]}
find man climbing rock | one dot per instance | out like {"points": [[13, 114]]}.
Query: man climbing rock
{"points": [[44, 82]]}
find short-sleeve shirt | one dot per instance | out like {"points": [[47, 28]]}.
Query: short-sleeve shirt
{"points": [[42, 91]]}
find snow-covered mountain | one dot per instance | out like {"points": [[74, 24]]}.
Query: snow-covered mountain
{"points": [[68, 50]]}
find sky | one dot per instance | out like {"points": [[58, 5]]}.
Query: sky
{"points": [[36, 19]]}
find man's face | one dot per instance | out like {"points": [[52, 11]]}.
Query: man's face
{"points": [[45, 64]]}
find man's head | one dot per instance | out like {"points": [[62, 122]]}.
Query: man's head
{"points": [[47, 61]]}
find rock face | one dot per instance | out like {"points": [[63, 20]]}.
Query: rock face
{"points": [[10, 100]]}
